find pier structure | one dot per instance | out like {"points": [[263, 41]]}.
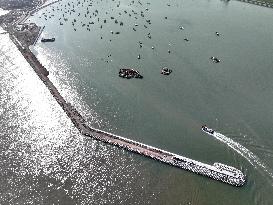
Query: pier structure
{"points": [[258, 3], [38, 36], [42, 6], [217, 171]]}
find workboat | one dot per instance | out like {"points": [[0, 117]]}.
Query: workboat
{"points": [[214, 59], [48, 40], [207, 130], [166, 71]]}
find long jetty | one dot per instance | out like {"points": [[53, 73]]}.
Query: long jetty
{"points": [[43, 6], [39, 34], [258, 3], [217, 171]]}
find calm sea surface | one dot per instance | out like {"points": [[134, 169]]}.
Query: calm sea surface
{"points": [[46, 161]]}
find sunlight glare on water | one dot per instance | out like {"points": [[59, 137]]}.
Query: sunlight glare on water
{"points": [[46, 159], [43, 157]]}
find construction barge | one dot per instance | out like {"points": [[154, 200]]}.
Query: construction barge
{"points": [[217, 171]]}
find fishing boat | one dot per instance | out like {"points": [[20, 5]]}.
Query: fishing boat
{"points": [[166, 71]]}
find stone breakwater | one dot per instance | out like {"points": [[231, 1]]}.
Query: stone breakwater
{"points": [[259, 3]]}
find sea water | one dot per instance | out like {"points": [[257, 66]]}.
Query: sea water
{"points": [[233, 97]]}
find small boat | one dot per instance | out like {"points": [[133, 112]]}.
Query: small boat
{"points": [[214, 59], [207, 130], [166, 71], [47, 40]]}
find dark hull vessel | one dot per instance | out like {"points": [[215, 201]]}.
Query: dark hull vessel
{"points": [[47, 40]]}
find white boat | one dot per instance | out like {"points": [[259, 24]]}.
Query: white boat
{"points": [[207, 130]]}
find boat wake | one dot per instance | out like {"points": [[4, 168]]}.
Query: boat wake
{"points": [[244, 152]]}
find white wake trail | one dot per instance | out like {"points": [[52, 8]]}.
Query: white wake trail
{"points": [[244, 152]]}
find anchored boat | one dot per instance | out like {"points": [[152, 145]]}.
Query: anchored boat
{"points": [[47, 40], [166, 71]]}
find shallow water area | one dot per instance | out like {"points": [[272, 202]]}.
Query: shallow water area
{"points": [[94, 39]]}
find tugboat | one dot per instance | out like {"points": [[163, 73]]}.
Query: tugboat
{"points": [[207, 130], [166, 71], [48, 40], [129, 73], [215, 60]]}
